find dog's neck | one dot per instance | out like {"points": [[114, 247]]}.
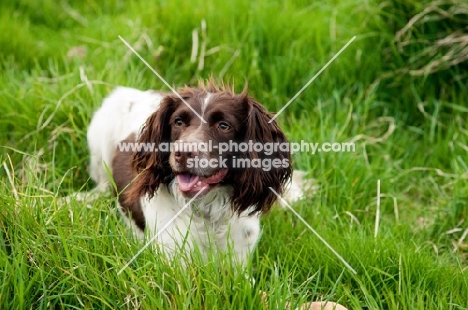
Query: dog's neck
{"points": [[214, 207]]}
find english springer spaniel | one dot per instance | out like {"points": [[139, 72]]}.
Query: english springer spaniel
{"points": [[142, 136]]}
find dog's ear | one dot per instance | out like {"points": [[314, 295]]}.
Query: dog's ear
{"points": [[253, 184], [152, 165]]}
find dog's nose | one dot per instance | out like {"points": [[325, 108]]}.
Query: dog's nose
{"points": [[185, 153], [192, 153], [178, 156]]}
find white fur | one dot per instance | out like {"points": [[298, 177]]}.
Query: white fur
{"points": [[123, 112], [206, 223]]}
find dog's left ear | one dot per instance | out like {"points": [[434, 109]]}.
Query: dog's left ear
{"points": [[152, 166], [253, 184]]}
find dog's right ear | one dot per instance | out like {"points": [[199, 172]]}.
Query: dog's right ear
{"points": [[152, 165]]}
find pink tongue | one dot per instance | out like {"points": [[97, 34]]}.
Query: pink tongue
{"points": [[188, 182]]}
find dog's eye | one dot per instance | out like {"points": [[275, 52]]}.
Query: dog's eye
{"points": [[224, 126], [178, 122]]}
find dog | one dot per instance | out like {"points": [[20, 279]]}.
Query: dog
{"points": [[224, 198], [146, 140]]}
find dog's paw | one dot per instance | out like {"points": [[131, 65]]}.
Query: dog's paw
{"points": [[86, 197], [299, 187]]}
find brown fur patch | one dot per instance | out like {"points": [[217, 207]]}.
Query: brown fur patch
{"points": [[124, 177]]}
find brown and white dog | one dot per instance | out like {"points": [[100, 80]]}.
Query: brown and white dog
{"points": [[163, 192], [225, 197]]}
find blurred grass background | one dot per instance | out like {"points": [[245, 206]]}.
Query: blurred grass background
{"points": [[399, 91]]}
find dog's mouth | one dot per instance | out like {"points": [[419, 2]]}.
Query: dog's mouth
{"points": [[190, 184]]}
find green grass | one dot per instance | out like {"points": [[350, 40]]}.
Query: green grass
{"points": [[411, 135]]}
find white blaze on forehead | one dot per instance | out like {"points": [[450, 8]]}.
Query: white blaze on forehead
{"points": [[205, 103], [197, 134]]}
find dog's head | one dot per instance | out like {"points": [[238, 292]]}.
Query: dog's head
{"points": [[214, 139]]}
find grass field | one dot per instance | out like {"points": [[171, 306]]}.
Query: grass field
{"points": [[406, 111]]}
